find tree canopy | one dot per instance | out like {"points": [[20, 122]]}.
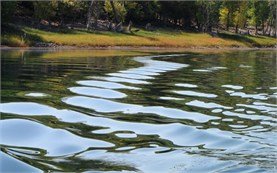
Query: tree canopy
{"points": [[199, 15]]}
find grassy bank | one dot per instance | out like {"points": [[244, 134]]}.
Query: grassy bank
{"points": [[26, 36]]}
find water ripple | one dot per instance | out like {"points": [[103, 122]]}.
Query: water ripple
{"points": [[97, 92], [124, 117], [31, 134]]}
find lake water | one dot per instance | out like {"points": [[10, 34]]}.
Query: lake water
{"points": [[189, 112]]}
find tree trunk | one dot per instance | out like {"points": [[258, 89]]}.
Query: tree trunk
{"points": [[263, 27], [197, 21], [93, 12], [89, 14], [228, 21], [129, 28], [269, 31], [208, 20], [61, 22], [116, 17], [266, 28], [256, 29], [96, 14], [237, 28], [269, 27]]}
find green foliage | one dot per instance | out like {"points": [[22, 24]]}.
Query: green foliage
{"points": [[71, 9], [134, 11], [224, 12], [45, 9], [7, 10], [228, 12], [207, 14], [258, 12], [119, 7], [141, 11], [198, 15], [251, 15], [240, 16]]}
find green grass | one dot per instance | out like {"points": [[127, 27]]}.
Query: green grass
{"points": [[158, 38], [13, 40]]}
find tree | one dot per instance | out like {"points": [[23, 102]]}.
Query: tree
{"points": [[7, 10], [177, 13], [116, 10], [93, 13], [259, 13], [200, 14], [69, 10], [89, 16], [45, 10], [272, 17], [262, 12], [240, 16], [207, 14], [227, 13], [141, 12]]}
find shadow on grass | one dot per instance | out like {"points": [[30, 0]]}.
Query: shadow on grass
{"points": [[114, 33], [9, 31], [240, 38], [143, 36], [32, 34]]}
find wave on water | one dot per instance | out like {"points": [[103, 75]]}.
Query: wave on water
{"points": [[104, 123]]}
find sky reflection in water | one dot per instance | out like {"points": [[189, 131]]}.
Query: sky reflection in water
{"points": [[149, 114]]}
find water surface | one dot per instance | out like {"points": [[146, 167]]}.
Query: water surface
{"points": [[189, 112]]}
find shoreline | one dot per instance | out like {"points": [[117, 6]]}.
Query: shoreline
{"points": [[134, 48]]}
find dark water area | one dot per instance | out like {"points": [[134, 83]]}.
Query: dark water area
{"points": [[189, 112]]}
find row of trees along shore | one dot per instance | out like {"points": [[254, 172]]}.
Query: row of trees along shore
{"points": [[243, 17]]}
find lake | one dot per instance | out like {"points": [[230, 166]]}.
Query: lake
{"points": [[74, 111]]}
